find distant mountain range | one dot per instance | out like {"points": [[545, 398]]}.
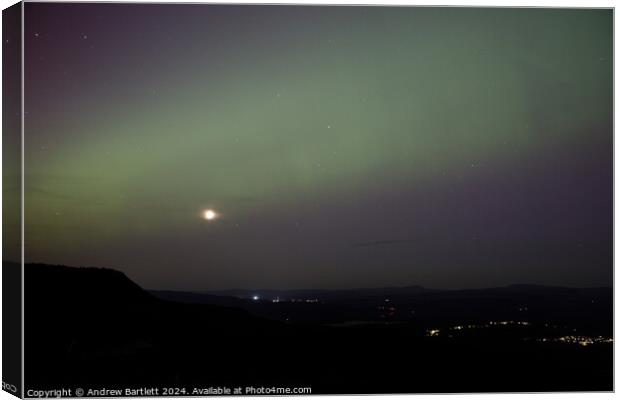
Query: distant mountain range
{"points": [[327, 294], [315, 293]]}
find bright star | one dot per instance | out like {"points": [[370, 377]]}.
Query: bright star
{"points": [[209, 215]]}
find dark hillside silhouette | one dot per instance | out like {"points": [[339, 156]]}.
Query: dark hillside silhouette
{"points": [[90, 327]]}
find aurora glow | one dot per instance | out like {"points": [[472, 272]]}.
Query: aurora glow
{"points": [[343, 146]]}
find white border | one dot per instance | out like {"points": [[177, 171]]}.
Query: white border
{"points": [[472, 3]]}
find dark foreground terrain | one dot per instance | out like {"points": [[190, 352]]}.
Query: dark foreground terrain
{"points": [[94, 328]]}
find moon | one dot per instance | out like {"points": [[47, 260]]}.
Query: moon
{"points": [[209, 215]]}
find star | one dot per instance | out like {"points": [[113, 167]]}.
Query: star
{"points": [[209, 215]]}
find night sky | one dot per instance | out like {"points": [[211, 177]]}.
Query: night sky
{"points": [[338, 146]]}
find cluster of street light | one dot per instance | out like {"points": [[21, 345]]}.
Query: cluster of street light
{"points": [[569, 339]]}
